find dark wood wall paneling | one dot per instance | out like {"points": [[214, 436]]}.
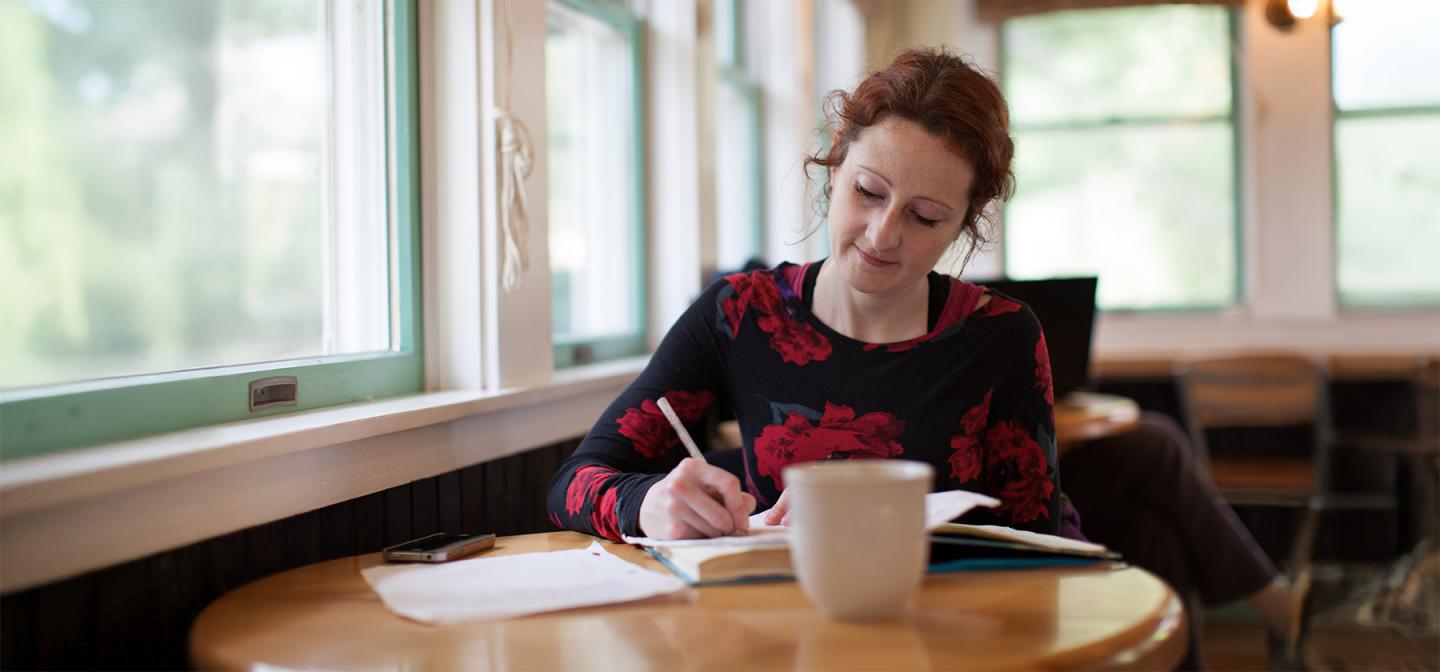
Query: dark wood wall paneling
{"points": [[137, 615]]}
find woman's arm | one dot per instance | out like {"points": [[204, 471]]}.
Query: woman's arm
{"points": [[601, 488], [1018, 451]]}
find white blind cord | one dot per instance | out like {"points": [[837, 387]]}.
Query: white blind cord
{"points": [[516, 162], [513, 142]]}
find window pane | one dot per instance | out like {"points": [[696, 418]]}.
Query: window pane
{"points": [[1150, 209], [736, 184], [1385, 54], [1118, 63], [211, 194], [1389, 209], [593, 228]]}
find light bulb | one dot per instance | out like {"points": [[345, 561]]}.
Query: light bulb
{"points": [[1303, 9]]}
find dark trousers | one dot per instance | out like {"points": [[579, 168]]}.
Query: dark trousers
{"points": [[1144, 494]]}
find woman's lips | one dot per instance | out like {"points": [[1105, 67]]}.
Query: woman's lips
{"points": [[877, 263]]}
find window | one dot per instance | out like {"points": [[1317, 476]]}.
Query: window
{"points": [[1125, 153], [596, 181], [197, 195], [739, 219], [1387, 140]]}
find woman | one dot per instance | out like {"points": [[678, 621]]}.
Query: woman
{"points": [[868, 354]]}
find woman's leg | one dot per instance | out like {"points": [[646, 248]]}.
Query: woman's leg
{"points": [[1144, 495], [1152, 468]]}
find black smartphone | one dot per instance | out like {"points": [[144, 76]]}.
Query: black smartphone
{"points": [[440, 547]]}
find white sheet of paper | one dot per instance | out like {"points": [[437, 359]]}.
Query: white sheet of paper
{"points": [[482, 589], [943, 507], [940, 508]]}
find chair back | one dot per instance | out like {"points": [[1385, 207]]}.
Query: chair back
{"points": [[1249, 391]]}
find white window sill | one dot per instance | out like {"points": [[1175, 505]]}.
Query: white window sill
{"points": [[67, 513]]}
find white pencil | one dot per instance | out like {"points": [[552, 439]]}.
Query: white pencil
{"points": [[669, 412]]}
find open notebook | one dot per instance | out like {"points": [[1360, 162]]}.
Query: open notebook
{"points": [[764, 553]]}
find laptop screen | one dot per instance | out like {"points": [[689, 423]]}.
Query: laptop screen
{"points": [[1066, 309]]}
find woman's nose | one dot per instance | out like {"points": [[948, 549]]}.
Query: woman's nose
{"points": [[884, 232]]}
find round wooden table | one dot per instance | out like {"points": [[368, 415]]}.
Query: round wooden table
{"points": [[1086, 416], [325, 616]]}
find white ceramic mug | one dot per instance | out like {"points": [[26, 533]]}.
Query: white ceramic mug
{"points": [[857, 534]]}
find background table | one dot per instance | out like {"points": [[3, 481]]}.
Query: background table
{"points": [[1086, 416], [325, 616]]}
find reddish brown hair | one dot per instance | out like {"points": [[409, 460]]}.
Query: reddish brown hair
{"points": [[949, 98]]}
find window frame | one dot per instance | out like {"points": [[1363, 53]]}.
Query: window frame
{"points": [[732, 69], [66, 416], [571, 352], [1337, 115], [1237, 175]]}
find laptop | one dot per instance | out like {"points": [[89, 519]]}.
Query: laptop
{"points": [[1066, 309]]}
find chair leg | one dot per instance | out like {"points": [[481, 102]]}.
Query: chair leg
{"points": [[1300, 563]]}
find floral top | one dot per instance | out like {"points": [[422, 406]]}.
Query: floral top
{"points": [[972, 397]]}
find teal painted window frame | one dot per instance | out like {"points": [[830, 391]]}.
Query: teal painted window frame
{"points": [[1337, 116], [570, 352], [40, 420], [734, 73], [1237, 177]]}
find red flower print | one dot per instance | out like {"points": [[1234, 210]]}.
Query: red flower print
{"points": [[839, 432], [797, 342], [734, 306], [1000, 305], [583, 486], [1015, 457], [604, 518], [647, 428], [965, 460], [1042, 370]]}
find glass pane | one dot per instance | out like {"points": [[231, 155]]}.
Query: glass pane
{"points": [[1135, 62], [727, 43], [1385, 54], [736, 144], [1389, 209], [1149, 209], [594, 260], [189, 184]]}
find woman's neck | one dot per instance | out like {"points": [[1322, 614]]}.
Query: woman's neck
{"points": [[871, 318]]}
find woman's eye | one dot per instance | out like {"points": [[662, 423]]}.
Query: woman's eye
{"points": [[865, 193], [925, 220]]}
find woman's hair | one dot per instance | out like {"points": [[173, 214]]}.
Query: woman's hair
{"points": [[947, 97]]}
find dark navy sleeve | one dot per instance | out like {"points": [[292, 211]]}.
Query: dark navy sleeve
{"points": [[599, 489], [1018, 453]]}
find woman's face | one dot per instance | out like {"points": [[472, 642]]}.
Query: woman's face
{"points": [[898, 201]]}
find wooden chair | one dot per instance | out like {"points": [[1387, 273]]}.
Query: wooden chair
{"points": [[1279, 391]]}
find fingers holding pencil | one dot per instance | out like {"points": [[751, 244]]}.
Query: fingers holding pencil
{"points": [[694, 499]]}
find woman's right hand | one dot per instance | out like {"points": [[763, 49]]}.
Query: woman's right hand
{"points": [[695, 500]]}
